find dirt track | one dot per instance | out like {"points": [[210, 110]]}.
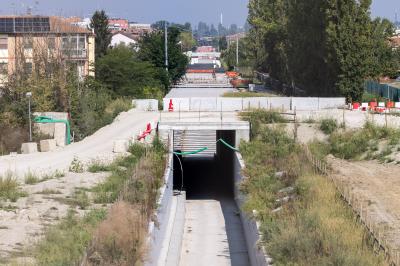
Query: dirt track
{"points": [[378, 187]]}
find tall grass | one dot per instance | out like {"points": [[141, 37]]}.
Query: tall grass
{"points": [[64, 243], [354, 144], [121, 238], [314, 227], [9, 188]]}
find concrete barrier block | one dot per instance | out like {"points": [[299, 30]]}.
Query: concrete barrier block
{"points": [[203, 104], [179, 103], [255, 103], [60, 134], [30, 147], [145, 105], [120, 146], [47, 145], [45, 129], [229, 104]]}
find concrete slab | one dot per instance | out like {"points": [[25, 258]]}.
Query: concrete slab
{"points": [[120, 146], [60, 134], [213, 234], [47, 145], [28, 148]]}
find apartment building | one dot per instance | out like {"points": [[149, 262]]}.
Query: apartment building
{"points": [[29, 42]]}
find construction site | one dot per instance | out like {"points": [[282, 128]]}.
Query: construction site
{"points": [[199, 218]]}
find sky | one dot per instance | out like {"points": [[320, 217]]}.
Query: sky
{"points": [[148, 11]]}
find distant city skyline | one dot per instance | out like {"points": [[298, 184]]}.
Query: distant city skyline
{"points": [[150, 11]]}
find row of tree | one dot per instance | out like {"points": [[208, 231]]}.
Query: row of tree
{"points": [[122, 73], [324, 47]]}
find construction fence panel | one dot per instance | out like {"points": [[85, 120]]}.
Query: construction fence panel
{"points": [[383, 90]]}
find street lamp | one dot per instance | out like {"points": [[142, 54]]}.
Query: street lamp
{"points": [[29, 95]]}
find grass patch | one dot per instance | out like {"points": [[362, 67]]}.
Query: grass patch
{"points": [[48, 191], [328, 126], [9, 188], [64, 243], [121, 170], [31, 179], [355, 144], [259, 117], [246, 94], [315, 227], [97, 166]]}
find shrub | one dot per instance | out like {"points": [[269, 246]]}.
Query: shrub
{"points": [[328, 126], [76, 166], [122, 236], [9, 188]]}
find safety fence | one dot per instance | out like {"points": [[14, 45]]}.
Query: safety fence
{"points": [[383, 90], [377, 233]]}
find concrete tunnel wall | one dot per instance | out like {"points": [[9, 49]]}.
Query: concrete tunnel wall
{"points": [[158, 231]]}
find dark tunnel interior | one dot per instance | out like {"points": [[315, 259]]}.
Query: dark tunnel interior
{"points": [[208, 177]]}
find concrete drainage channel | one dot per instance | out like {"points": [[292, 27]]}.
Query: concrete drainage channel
{"points": [[203, 225]]}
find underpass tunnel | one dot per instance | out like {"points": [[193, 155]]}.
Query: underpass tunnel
{"points": [[208, 174]]}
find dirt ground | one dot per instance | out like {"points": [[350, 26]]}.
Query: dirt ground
{"points": [[22, 222], [378, 187]]}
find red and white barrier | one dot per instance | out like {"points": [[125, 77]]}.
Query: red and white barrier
{"points": [[143, 135]]}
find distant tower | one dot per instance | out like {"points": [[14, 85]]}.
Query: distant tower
{"points": [[222, 19]]}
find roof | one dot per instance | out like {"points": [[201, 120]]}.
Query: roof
{"points": [[126, 34], [38, 24]]}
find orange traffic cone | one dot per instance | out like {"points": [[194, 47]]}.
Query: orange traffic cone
{"points": [[171, 106]]}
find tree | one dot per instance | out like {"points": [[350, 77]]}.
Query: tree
{"points": [[187, 41], [99, 24], [152, 49], [124, 74]]}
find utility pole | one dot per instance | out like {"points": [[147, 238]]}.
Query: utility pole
{"points": [[29, 95], [166, 46], [237, 51]]}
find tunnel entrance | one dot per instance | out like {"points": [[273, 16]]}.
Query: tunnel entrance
{"points": [[206, 175]]}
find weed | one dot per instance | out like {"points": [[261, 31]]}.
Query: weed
{"points": [[81, 199], [97, 166], [64, 243], [328, 126], [310, 120], [76, 166], [31, 179], [9, 188]]}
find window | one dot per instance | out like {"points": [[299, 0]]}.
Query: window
{"points": [[3, 42], [52, 43], [28, 67], [82, 43], [3, 68], [28, 43]]}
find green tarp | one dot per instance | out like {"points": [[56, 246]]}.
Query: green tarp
{"points": [[49, 120]]}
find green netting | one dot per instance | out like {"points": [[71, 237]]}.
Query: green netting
{"points": [[48, 120]]}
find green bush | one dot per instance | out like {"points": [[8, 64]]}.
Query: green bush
{"points": [[328, 126]]}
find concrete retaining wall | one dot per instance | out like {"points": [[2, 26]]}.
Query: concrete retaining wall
{"points": [[145, 105], [157, 233], [257, 253], [240, 104]]}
